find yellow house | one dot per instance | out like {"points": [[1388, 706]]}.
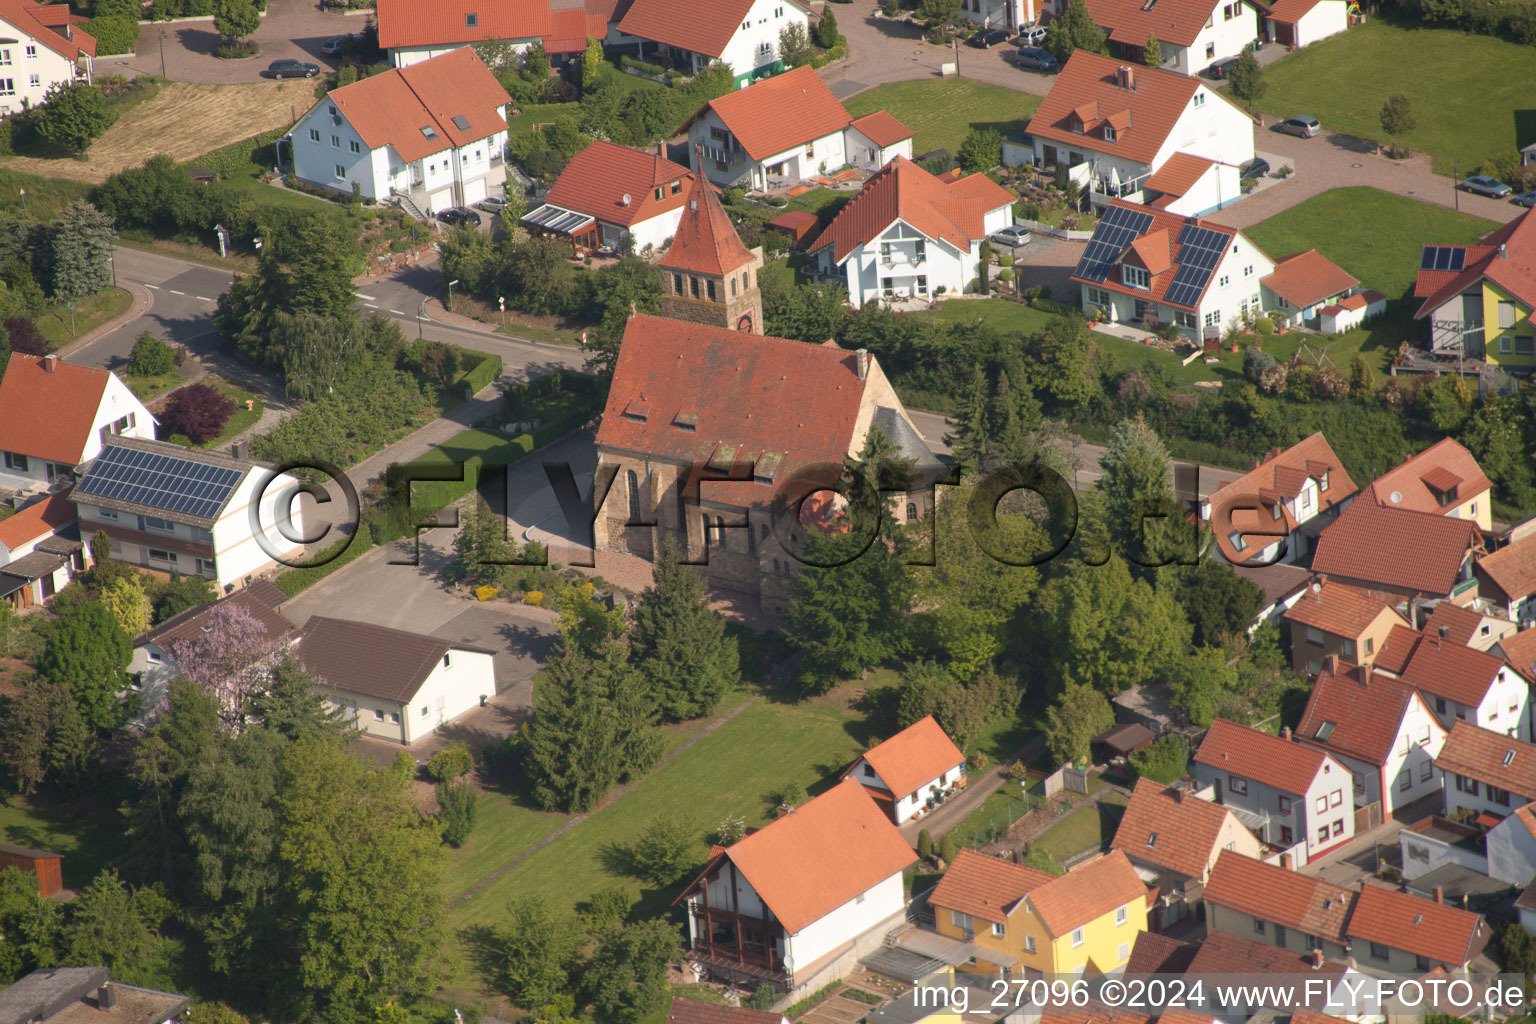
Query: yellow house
{"points": [[1482, 296], [1082, 922]]}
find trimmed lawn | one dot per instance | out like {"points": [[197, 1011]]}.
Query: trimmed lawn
{"points": [[86, 833], [1471, 94], [90, 313], [941, 111]]}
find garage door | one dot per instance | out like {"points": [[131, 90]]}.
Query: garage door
{"points": [[474, 191], [440, 201]]}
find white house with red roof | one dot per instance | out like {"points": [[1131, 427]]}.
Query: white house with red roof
{"points": [[40, 551], [610, 195], [907, 773], [908, 234], [1379, 728], [741, 34], [55, 415], [1192, 34], [1114, 125], [1272, 513], [412, 31], [782, 904], [789, 126], [41, 46], [433, 132], [1479, 299], [1291, 795]]}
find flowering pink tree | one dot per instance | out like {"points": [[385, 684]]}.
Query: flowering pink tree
{"points": [[231, 659]]}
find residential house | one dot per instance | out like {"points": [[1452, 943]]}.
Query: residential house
{"points": [[779, 905], [393, 684], [1298, 23], [67, 995], [691, 463], [42, 46], [1151, 267], [1113, 125], [1519, 649], [707, 275], [1479, 299], [1506, 579], [168, 508], [696, 1011], [1173, 838], [413, 32], [741, 34], [433, 132], [1291, 794], [40, 551], [46, 867], [786, 127], [154, 652], [1402, 552], [1443, 479], [1467, 625], [1511, 846], [1273, 904], [56, 415], [908, 234], [1303, 284], [1082, 922], [1191, 35], [908, 772], [1337, 620], [1380, 729], [1398, 933], [1485, 771], [610, 197], [1462, 684]]}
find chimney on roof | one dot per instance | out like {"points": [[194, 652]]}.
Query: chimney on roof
{"points": [[861, 358], [1439, 894], [1285, 861], [50, 361], [1317, 959]]}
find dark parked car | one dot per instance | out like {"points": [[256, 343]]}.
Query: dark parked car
{"points": [[1526, 199], [459, 215], [1482, 185], [1301, 126], [1258, 167], [1036, 59], [292, 69], [988, 37], [1222, 68]]}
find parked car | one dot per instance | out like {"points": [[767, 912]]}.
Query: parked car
{"points": [[292, 69], [492, 204], [987, 38], [1526, 199], [332, 46], [1258, 167], [1032, 35], [1482, 185], [1222, 68], [459, 215], [1301, 126], [1035, 59], [1012, 236]]}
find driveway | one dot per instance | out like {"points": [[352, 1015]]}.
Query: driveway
{"points": [[292, 28]]}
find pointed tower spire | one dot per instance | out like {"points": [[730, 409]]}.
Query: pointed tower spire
{"points": [[708, 275]]}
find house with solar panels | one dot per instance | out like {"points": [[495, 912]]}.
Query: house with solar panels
{"points": [[167, 508]]}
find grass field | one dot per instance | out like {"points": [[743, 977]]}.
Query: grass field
{"points": [[84, 832], [940, 111], [1471, 94], [59, 328], [182, 120]]}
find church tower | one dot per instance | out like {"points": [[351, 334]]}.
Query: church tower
{"points": [[708, 276]]}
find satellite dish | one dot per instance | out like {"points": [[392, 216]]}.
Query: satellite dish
{"points": [[1396, 497], [625, 199]]}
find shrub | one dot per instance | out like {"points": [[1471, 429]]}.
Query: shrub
{"points": [[198, 410], [452, 762], [151, 357]]}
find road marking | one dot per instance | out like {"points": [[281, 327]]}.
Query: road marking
{"points": [[154, 286], [175, 292], [370, 298], [397, 312]]}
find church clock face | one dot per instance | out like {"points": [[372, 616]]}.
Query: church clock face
{"points": [[744, 323]]}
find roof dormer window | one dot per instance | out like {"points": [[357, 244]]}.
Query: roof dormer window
{"points": [[471, 20]]}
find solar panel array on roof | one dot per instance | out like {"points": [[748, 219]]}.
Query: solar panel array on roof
{"points": [[160, 481], [554, 218], [1442, 257], [1200, 251], [1118, 228]]}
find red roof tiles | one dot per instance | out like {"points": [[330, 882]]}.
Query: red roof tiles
{"points": [[445, 22], [1307, 278], [598, 178], [1308, 905], [1356, 712], [1250, 754], [1170, 828], [1395, 547], [1451, 670], [1179, 173], [48, 406], [1340, 609], [985, 887], [755, 394], [1282, 473], [399, 106], [1512, 568], [1512, 269], [706, 242], [914, 757], [1489, 756], [1443, 465], [1429, 929], [38, 520], [953, 212], [881, 128], [780, 113]]}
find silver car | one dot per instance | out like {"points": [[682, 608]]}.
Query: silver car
{"points": [[1012, 237]]}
